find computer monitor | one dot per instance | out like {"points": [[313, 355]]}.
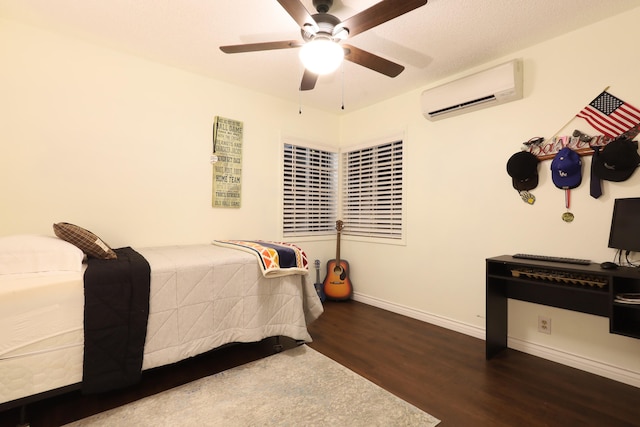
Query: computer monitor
{"points": [[625, 225]]}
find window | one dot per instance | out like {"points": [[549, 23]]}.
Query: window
{"points": [[372, 196], [310, 191]]}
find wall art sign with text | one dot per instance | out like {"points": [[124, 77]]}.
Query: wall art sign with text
{"points": [[227, 168]]}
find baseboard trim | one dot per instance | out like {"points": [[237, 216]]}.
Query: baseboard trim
{"points": [[444, 322], [575, 361]]}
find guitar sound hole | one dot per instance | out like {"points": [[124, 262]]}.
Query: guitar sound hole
{"points": [[337, 270]]}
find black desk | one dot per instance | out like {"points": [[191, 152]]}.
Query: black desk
{"points": [[501, 284]]}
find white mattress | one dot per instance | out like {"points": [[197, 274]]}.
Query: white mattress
{"points": [[41, 337], [202, 296]]}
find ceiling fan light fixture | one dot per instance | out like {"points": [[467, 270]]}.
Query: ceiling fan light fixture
{"points": [[321, 55]]}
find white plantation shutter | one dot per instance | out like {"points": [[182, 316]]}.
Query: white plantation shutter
{"points": [[310, 191], [372, 196]]}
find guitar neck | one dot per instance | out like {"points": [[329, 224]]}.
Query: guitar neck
{"points": [[338, 249]]}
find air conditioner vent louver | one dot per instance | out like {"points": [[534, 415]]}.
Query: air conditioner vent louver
{"points": [[481, 90], [463, 105]]}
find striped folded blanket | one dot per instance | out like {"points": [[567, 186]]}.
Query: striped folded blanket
{"points": [[275, 258]]}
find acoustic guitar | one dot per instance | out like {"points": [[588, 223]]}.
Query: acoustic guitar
{"points": [[337, 285]]}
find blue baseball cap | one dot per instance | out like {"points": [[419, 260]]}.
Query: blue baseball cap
{"points": [[566, 169]]}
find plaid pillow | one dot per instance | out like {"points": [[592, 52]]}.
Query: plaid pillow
{"points": [[90, 244]]}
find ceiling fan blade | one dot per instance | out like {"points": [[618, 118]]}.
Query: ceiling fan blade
{"points": [[309, 80], [371, 61], [253, 47], [299, 14], [377, 14]]}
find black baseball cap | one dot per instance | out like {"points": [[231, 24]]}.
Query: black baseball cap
{"points": [[523, 168], [617, 161]]}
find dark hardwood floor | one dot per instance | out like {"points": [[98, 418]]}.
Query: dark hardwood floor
{"points": [[440, 371], [445, 374]]}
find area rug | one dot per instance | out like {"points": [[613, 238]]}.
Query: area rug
{"points": [[298, 387]]}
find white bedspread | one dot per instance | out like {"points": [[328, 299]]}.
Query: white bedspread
{"points": [[202, 296]]}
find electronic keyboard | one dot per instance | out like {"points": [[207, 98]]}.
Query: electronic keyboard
{"points": [[553, 259]]}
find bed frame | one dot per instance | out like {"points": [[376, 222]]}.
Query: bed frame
{"points": [[202, 297]]}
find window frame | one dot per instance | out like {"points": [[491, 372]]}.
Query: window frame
{"points": [[343, 174], [327, 231]]}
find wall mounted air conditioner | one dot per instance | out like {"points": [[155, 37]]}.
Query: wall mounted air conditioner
{"points": [[487, 88]]}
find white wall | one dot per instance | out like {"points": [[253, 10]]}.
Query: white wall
{"points": [[121, 146], [462, 208]]}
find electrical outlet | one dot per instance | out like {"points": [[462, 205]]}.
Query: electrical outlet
{"points": [[544, 325]]}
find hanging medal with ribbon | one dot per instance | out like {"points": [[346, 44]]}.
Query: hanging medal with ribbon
{"points": [[567, 216]]}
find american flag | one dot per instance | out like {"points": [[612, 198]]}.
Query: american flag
{"points": [[610, 115]]}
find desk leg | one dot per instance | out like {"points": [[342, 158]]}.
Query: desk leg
{"points": [[496, 317]]}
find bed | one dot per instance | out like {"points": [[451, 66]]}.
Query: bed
{"points": [[200, 297]]}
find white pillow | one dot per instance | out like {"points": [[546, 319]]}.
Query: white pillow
{"points": [[32, 254]]}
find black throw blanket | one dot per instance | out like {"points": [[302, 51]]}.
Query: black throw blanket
{"points": [[116, 310]]}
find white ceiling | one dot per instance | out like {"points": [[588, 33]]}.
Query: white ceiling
{"points": [[443, 38]]}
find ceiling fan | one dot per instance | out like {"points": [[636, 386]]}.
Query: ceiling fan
{"points": [[323, 30]]}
